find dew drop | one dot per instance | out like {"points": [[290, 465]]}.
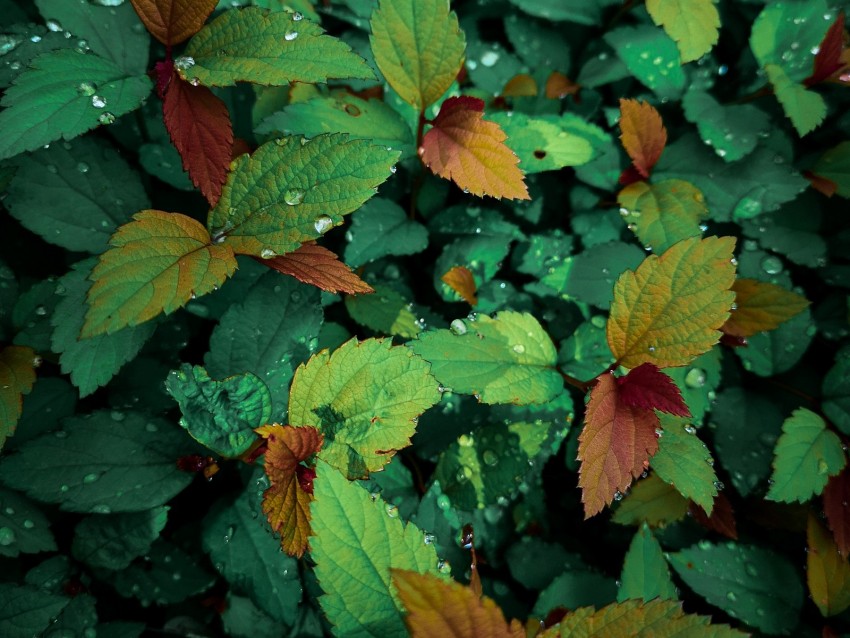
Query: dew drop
{"points": [[489, 58], [28, 524], [98, 101], [53, 25], [771, 265], [289, 36], [490, 457], [297, 16], [91, 478], [86, 88], [322, 223], [101, 508], [82, 167], [695, 378], [392, 511], [518, 348], [7, 536], [267, 253], [106, 118], [458, 327], [184, 62], [293, 196]]}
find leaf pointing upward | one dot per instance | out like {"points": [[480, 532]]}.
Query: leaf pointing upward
{"points": [[643, 134]]}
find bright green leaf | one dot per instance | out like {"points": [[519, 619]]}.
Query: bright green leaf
{"points": [[806, 109], [651, 57], [698, 382], [693, 24], [112, 542], [381, 228], [645, 573], [684, 462]]}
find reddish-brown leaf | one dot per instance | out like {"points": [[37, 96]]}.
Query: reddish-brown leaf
{"points": [[199, 125], [319, 267], [615, 445], [643, 134], [836, 496], [172, 21], [520, 85], [286, 502], [649, 388], [559, 86], [722, 519], [469, 150], [821, 184], [761, 306], [460, 279], [828, 58]]}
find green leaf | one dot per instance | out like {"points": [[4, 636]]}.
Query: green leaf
{"points": [[112, 542], [693, 25], [250, 559], [270, 48], [651, 57], [684, 462], [793, 231], [381, 228], [806, 109], [51, 395], [418, 46], [835, 165], [645, 573], [578, 11], [836, 392], [91, 362], [386, 312], [62, 95], [103, 462], [576, 588], [357, 540], [27, 611], [753, 584], [290, 191], [506, 359], [365, 398], [157, 263], [698, 382], [220, 415], [24, 529], [32, 314], [96, 186], [163, 162], [243, 619], [343, 112], [730, 130], [807, 454], [585, 354], [651, 501]]}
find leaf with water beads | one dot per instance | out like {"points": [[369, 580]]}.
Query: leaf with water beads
{"points": [[731, 130], [17, 376], [693, 24], [685, 462]]}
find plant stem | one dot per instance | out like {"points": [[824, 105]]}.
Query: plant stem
{"points": [[420, 176], [584, 386]]}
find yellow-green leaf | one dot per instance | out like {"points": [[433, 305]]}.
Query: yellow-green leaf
{"points": [[17, 376], [806, 109], [761, 306], [693, 24], [419, 48], [670, 309], [651, 501], [157, 263], [827, 571]]}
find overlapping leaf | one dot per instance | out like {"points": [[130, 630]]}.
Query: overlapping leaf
{"points": [[806, 109], [172, 21], [828, 59], [112, 542], [761, 306], [836, 392], [836, 505], [684, 461], [157, 263], [827, 571], [648, 388], [663, 213], [693, 24], [320, 267], [460, 279], [17, 376], [642, 133], [651, 501], [385, 312], [731, 130], [645, 573]]}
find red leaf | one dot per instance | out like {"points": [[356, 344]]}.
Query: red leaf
{"points": [[172, 21], [471, 151], [199, 125], [319, 267], [836, 496], [648, 388], [460, 279], [643, 134], [828, 59], [722, 519], [822, 184], [615, 445]]}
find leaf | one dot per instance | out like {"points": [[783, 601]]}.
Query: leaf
{"points": [[648, 388], [460, 279], [386, 312], [755, 585], [365, 399], [722, 519], [112, 542], [807, 454], [827, 572], [94, 183], [730, 130], [249, 558], [220, 415], [357, 541], [102, 462], [92, 362], [505, 359], [157, 263], [684, 462], [663, 213], [172, 21], [642, 133], [669, 310], [615, 445], [317, 266], [198, 123], [774, 352], [651, 56], [381, 228], [323, 178], [836, 496], [63, 94], [438, 608], [27, 528], [828, 57], [418, 46], [645, 573], [17, 376], [761, 306], [834, 165], [806, 109], [27, 611], [693, 25], [286, 502], [274, 48], [836, 392], [651, 501]]}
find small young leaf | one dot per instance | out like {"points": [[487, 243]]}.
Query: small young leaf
{"points": [[642, 133], [807, 454], [670, 309], [648, 388], [460, 279], [684, 462], [651, 501], [436, 608], [615, 445], [17, 376], [157, 263], [834, 165], [692, 24], [827, 572], [645, 573], [806, 109], [172, 21], [463, 147], [836, 496], [286, 502], [651, 56], [418, 46], [761, 306], [318, 266], [199, 125]]}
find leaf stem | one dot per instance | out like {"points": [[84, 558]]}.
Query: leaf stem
{"points": [[584, 386], [420, 176]]}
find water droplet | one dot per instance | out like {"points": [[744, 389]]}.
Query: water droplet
{"points": [[392, 511], [393, 169], [106, 118], [53, 25], [322, 223], [695, 378], [651, 348], [444, 567], [35, 39], [294, 196], [101, 508], [184, 62], [771, 265], [289, 36], [91, 478], [82, 167], [428, 539], [28, 524], [489, 58], [458, 327], [86, 88], [7, 536], [194, 81], [98, 102], [731, 597], [267, 253], [490, 457], [518, 348], [297, 16], [118, 416], [690, 429]]}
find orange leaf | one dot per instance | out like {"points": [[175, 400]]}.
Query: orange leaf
{"points": [[438, 608], [287, 502], [836, 496], [319, 267], [827, 572], [643, 134], [470, 151], [559, 86], [519, 86], [828, 58], [199, 125], [615, 445], [761, 306], [172, 21], [460, 279]]}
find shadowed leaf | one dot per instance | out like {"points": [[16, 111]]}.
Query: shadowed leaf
{"points": [[836, 504], [17, 376], [827, 571]]}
